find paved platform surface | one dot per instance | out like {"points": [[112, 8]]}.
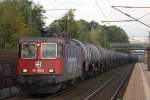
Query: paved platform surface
{"points": [[139, 84]]}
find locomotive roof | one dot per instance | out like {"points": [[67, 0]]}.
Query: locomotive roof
{"points": [[42, 39]]}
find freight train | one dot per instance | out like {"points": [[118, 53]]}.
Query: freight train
{"points": [[46, 65]]}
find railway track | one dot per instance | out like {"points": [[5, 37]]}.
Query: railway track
{"points": [[110, 89], [102, 87]]}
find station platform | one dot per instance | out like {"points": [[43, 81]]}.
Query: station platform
{"points": [[139, 84]]}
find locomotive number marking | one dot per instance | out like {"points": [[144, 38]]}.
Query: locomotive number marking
{"points": [[33, 70], [38, 70]]}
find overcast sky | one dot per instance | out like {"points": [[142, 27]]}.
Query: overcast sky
{"points": [[100, 10]]}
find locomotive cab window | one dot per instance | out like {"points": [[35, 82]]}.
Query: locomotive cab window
{"points": [[28, 50], [49, 50], [59, 50]]}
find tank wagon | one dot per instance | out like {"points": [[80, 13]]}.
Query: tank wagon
{"points": [[45, 64]]}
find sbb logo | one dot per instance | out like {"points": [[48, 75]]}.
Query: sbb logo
{"points": [[38, 64]]}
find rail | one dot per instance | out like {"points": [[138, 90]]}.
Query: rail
{"points": [[101, 87], [108, 82], [121, 84]]}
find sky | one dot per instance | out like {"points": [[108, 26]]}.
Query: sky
{"points": [[101, 10]]}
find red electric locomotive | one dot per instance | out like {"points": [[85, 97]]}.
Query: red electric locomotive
{"points": [[45, 63]]}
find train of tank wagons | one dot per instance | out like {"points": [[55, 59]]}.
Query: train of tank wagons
{"points": [[46, 65]]}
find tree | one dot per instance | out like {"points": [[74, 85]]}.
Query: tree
{"points": [[14, 21], [100, 35], [115, 34], [66, 25]]}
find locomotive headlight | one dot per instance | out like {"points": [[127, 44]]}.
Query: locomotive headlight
{"points": [[51, 70], [37, 44], [25, 70]]}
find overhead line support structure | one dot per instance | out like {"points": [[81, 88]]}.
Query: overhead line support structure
{"points": [[61, 9], [118, 21], [130, 7], [148, 53], [114, 7]]}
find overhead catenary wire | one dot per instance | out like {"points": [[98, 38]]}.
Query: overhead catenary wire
{"points": [[60, 9], [144, 15], [128, 20], [118, 21], [99, 7], [114, 7], [109, 15], [131, 6]]}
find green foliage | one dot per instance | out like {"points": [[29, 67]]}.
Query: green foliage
{"points": [[66, 24], [103, 39], [94, 37], [115, 34], [88, 31], [14, 21], [17, 17], [82, 33]]}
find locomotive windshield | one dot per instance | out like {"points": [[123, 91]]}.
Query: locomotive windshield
{"points": [[49, 50], [28, 50]]}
